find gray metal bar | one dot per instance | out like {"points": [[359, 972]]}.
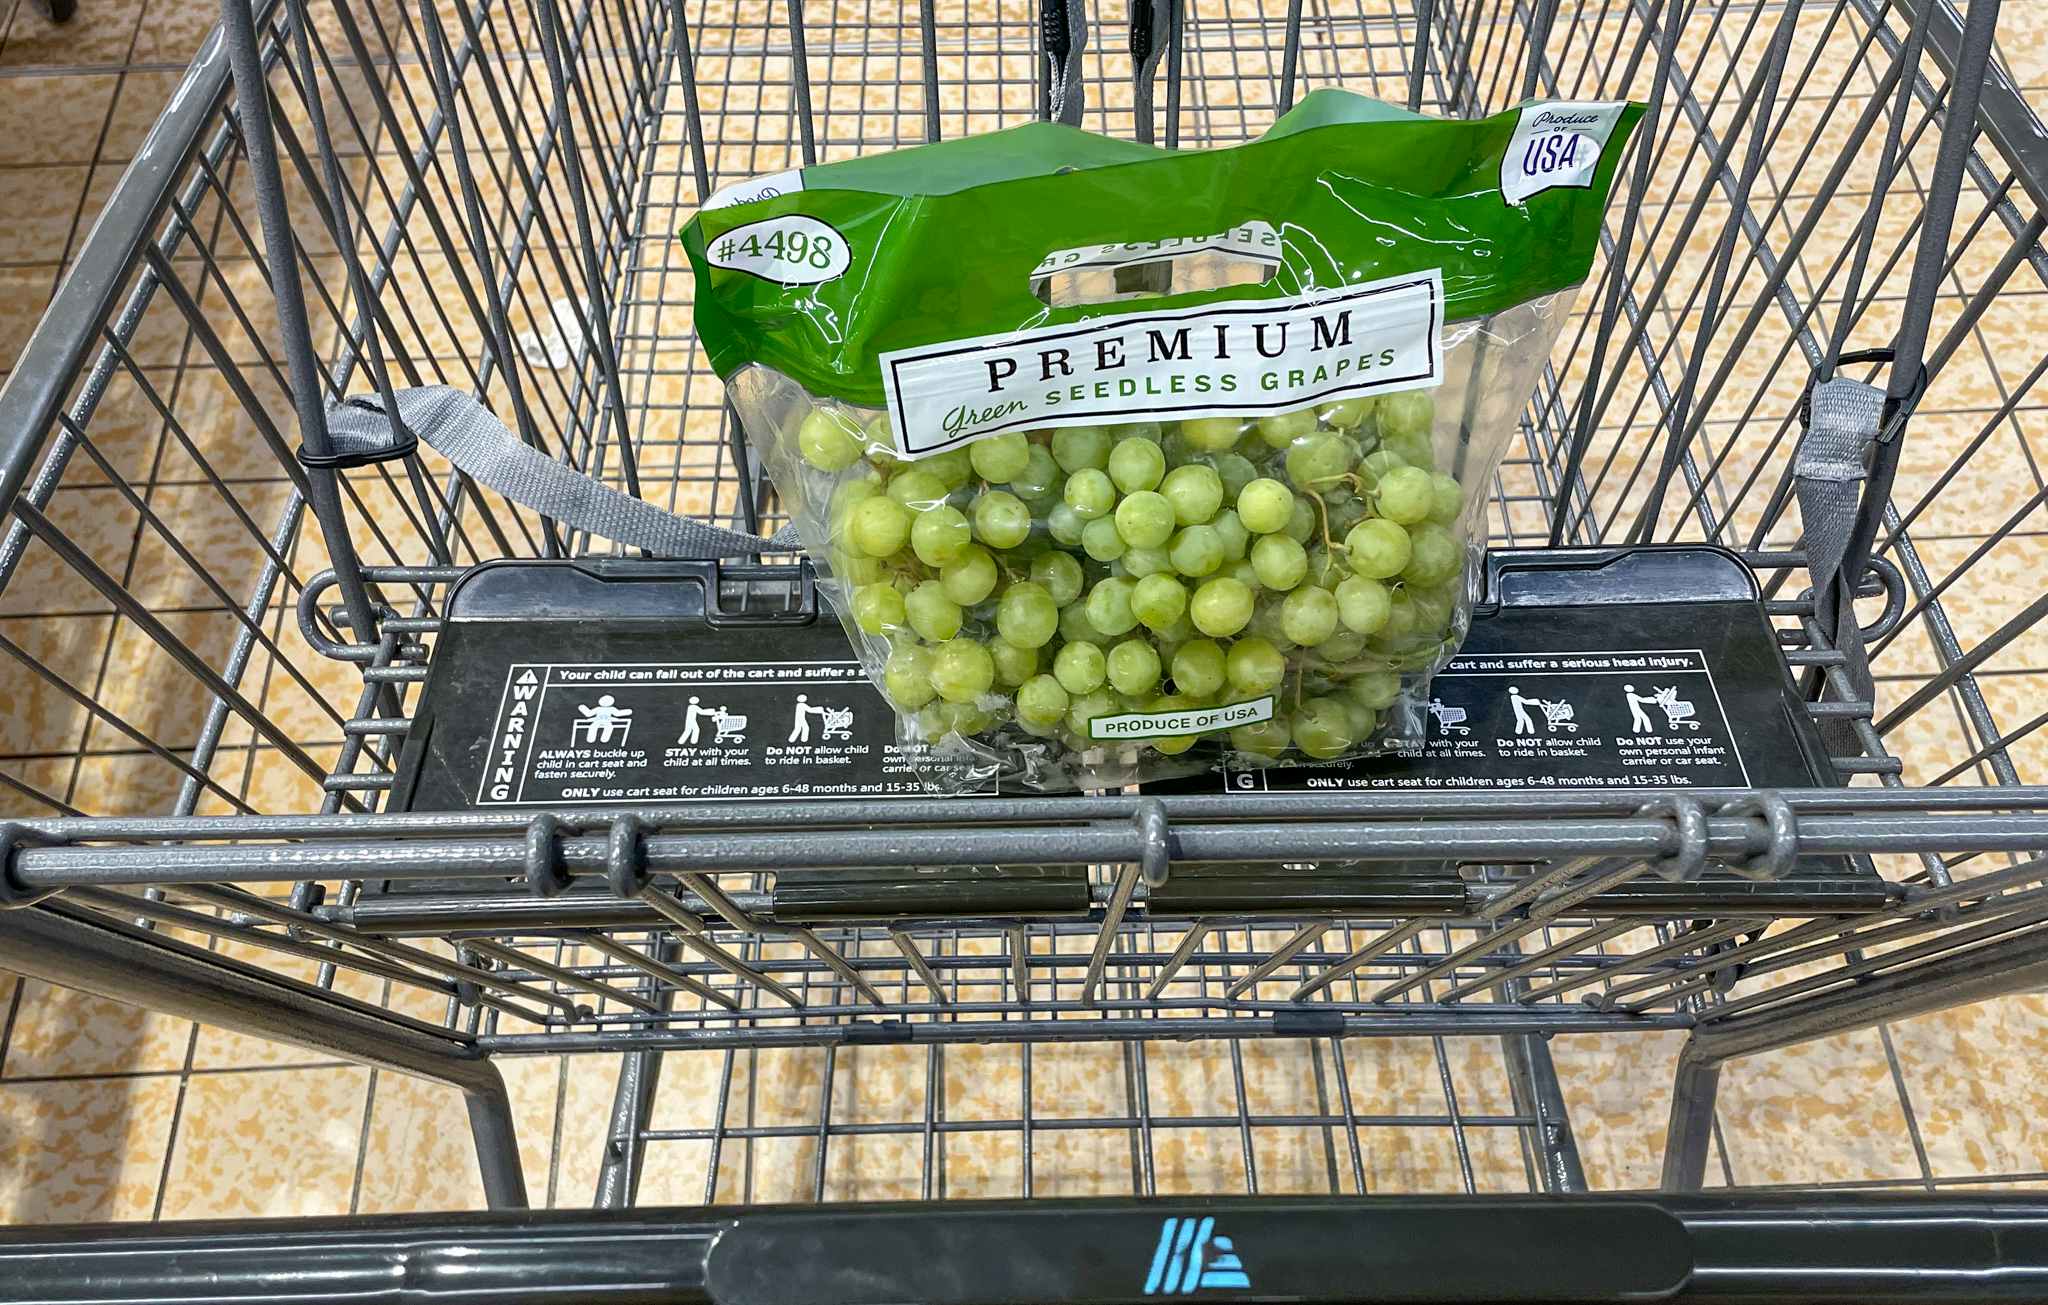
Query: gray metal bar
{"points": [[252, 103], [120, 962], [1055, 812], [1399, 1021]]}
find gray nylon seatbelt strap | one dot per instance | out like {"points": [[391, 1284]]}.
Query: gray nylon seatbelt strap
{"points": [[1843, 422], [459, 428]]}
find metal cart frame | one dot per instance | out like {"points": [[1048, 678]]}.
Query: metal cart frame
{"points": [[513, 168]]}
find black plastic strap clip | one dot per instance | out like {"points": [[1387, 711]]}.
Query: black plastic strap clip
{"points": [[360, 444]]}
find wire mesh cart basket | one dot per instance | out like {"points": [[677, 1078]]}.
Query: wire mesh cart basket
{"points": [[225, 630]]}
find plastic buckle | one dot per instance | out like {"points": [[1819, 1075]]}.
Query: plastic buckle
{"points": [[403, 443]]}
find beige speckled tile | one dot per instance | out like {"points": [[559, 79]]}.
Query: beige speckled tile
{"points": [[1972, 1077], [419, 1155], [83, 1152], [267, 1143], [1818, 1112], [64, 1031], [53, 118]]}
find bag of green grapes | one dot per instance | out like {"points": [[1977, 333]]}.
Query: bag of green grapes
{"points": [[1120, 462]]}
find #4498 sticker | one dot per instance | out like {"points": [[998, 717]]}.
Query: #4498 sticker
{"points": [[790, 250]]}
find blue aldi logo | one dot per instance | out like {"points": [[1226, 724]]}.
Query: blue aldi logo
{"points": [[1190, 1257]]}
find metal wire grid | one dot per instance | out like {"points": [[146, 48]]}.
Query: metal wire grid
{"points": [[643, 175]]}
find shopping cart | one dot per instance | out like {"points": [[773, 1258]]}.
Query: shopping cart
{"points": [[1808, 340]]}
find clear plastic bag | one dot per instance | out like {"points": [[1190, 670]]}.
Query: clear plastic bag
{"points": [[1204, 502]]}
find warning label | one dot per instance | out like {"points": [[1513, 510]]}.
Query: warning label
{"points": [[1505, 720], [652, 732]]}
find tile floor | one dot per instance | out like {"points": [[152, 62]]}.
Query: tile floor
{"points": [[107, 1112]]}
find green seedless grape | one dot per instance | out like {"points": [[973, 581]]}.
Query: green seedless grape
{"points": [[1065, 525], [1377, 549], [1075, 627], [1374, 689], [1137, 464], [1133, 668], [1141, 562], [1301, 521], [1401, 621], [1199, 669], [1266, 740], [1243, 572], [1317, 459], [1253, 665], [1145, 519], [1265, 506], [1362, 604], [1345, 414], [826, 443], [878, 607], [1041, 700], [1434, 607], [1414, 449], [1342, 646], [1323, 729], [963, 718], [907, 675], [1447, 498], [1084, 709], [1363, 718], [1235, 471], [1279, 562], [1080, 667], [1405, 495], [962, 670], [1434, 555], [1409, 412], [856, 568], [1091, 493], [1281, 429], [1079, 448], [1221, 607], [1158, 601], [1000, 519], [1211, 434], [878, 527], [941, 536], [1041, 475], [917, 488], [1196, 551], [1195, 492], [933, 615], [1014, 665], [1000, 459], [1308, 615], [1378, 463], [953, 468], [970, 579], [1026, 615], [1109, 606], [1100, 540], [1236, 539], [1060, 574]]}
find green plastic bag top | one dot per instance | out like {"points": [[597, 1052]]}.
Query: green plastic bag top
{"points": [[1361, 291]]}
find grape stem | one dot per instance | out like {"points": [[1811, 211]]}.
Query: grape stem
{"points": [[1323, 509]]}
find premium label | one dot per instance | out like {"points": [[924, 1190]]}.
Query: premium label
{"points": [[1240, 357]]}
